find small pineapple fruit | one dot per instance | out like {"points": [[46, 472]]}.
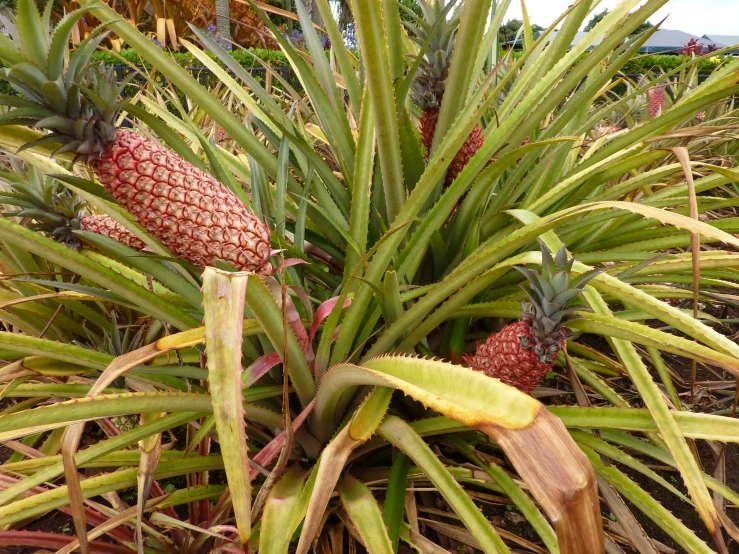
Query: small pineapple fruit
{"points": [[109, 227], [427, 89], [54, 210], [656, 98], [523, 352], [77, 105]]}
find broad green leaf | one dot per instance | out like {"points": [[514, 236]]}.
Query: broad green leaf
{"points": [[403, 437], [371, 35], [51, 349], [617, 455], [34, 38], [144, 263], [28, 422], [43, 502], [54, 252], [96, 451], [364, 512], [653, 509], [469, 35], [361, 193], [691, 425], [59, 41], [343, 56], [333, 458], [223, 302], [515, 430], [392, 513], [282, 506]]}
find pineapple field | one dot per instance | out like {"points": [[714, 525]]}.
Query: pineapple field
{"points": [[424, 295]]}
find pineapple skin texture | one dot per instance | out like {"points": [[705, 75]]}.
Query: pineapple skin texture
{"points": [[656, 98], [503, 357], [187, 210], [109, 227], [470, 147]]}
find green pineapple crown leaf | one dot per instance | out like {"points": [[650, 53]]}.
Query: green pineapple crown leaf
{"points": [[75, 102], [53, 209], [433, 24], [434, 34], [552, 291]]}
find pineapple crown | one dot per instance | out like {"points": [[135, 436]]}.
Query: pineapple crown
{"points": [[61, 91], [552, 291], [434, 34], [53, 209], [119, 338], [427, 88]]}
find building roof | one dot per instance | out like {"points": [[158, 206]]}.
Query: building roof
{"points": [[727, 40], [672, 40]]}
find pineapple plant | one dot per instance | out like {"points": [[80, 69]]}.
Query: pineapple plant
{"points": [[120, 337], [54, 210], [427, 89], [523, 352], [77, 103]]}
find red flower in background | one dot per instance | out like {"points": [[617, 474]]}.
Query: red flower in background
{"points": [[694, 46]]}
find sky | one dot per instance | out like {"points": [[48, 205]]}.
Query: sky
{"points": [[698, 17]]}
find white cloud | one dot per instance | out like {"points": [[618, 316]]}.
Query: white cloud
{"points": [[706, 17]]}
